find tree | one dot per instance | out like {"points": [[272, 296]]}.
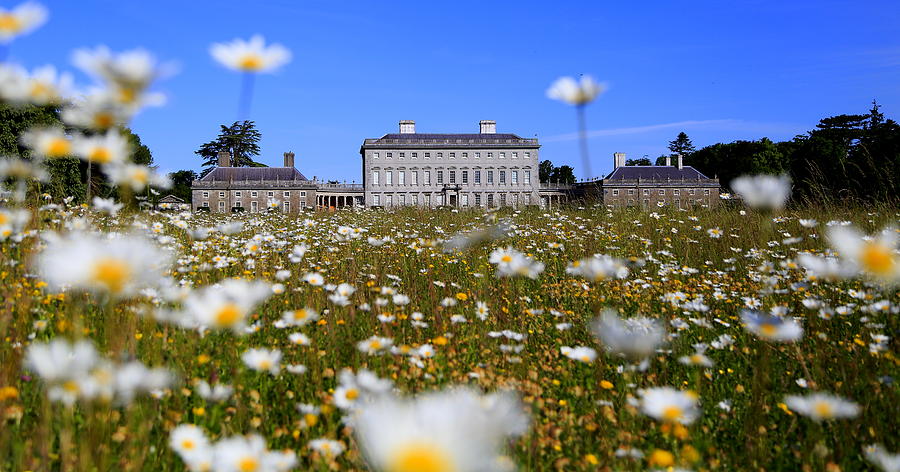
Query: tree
{"points": [[563, 175], [661, 160], [241, 139], [181, 183], [545, 168], [140, 152], [638, 162], [681, 145]]}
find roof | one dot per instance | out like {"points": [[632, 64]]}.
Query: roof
{"points": [[170, 199], [225, 174], [460, 140], [656, 173], [451, 136]]}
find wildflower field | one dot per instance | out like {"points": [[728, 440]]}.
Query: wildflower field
{"points": [[441, 340]]}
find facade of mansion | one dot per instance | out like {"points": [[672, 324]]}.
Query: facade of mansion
{"points": [[484, 169]]}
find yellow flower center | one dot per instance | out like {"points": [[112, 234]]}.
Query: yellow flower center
{"points": [[251, 62], [696, 359], [823, 409], [59, 147], [375, 344], [101, 155], [127, 95], [140, 176], [111, 273], [420, 458], [41, 90], [506, 258], [228, 315], [352, 394], [187, 444], [9, 23], [672, 413], [3, 218], [768, 329], [71, 386], [877, 259], [265, 364], [104, 120], [248, 464]]}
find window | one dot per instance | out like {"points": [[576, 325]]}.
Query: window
{"points": [[401, 199], [502, 176], [287, 206], [528, 199], [678, 203], [646, 191], [389, 155], [427, 155], [388, 177], [302, 204], [490, 155], [676, 192], [303, 193], [691, 191], [452, 176], [415, 155], [376, 200], [428, 199], [706, 192], [490, 199], [221, 206], [502, 156], [415, 199], [271, 194], [254, 194], [401, 178], [375, 155], [615, 192], [254, 206], [465, 155], [402, 155], [388, 200], [646, 203], [440, 177], [221, 194], [465, 176], [287, 194], [374, 177], [464, 199], [477, 176], [452, 155], [527, 177], [514, 177], [515, 155], [502, 199], [205, 194], [427, 177], [414, 177], [631, 191], [527, 155], [440, 154], [478, 199], [205, 204], [237, 203], [238, 194], [477, 155], [490, 178], [662, 192]]}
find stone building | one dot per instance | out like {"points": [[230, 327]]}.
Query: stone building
{"points": [[651, 186], [467, 169], [229, 189]]}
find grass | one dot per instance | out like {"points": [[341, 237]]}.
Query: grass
{"points": [[582, 413]]}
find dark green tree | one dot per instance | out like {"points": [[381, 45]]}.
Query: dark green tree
{"points": [[563, 175], [638, 162], [661, 160], [241, 139], [545, 168], [181, 183], [681, 145]]}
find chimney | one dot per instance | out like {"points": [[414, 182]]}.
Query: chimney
{"points": [[488, 126], [680, 163], [224, 159], [618, 160], [668, 161], [289, 159], [407, 127]]}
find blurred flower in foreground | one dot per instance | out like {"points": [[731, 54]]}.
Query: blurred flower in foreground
{"points": [[43, 87], [579, 353], [772, 328], [511, 263], [47, 142], [822, 406], [127, 75], [263, 360], [633, 337], [226, 305], [21, 20], [119, 265], [874, 256], [108, 148], [98, 111], [136, 176], [878, 455], [765, 192], [573, 92], [455, 430], [250, 56], [231, 454], [670, 405], [599, 268]]}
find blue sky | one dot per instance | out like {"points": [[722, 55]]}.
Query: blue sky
{"points": [[719, 71]]}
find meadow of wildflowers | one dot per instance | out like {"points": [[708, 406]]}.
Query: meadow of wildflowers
{"points": [[417, 340]]}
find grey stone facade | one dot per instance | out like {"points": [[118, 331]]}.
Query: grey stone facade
{"points": [[427, 169]]}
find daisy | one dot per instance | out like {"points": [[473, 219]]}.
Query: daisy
{"points": [[481, 310], [300, 317], [634, 337], [48, 142], [299, 338], [97, 111], [128, 74], [42, 87], [599, 268], [192, 445], [249, 454], [714, 233], [226, 305], [314, 278], [670, 405], [327, 447], [263, 360], [216, 393], [250, 56], [136, 176], [109, 148], [567, 89], [878, 455], [822, 406], [21, 20], [579, 353], [766, 192], [772, 328], [877, 257], [375, 345]]}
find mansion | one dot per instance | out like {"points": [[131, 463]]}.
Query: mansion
{"points": [[484, 169]]}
